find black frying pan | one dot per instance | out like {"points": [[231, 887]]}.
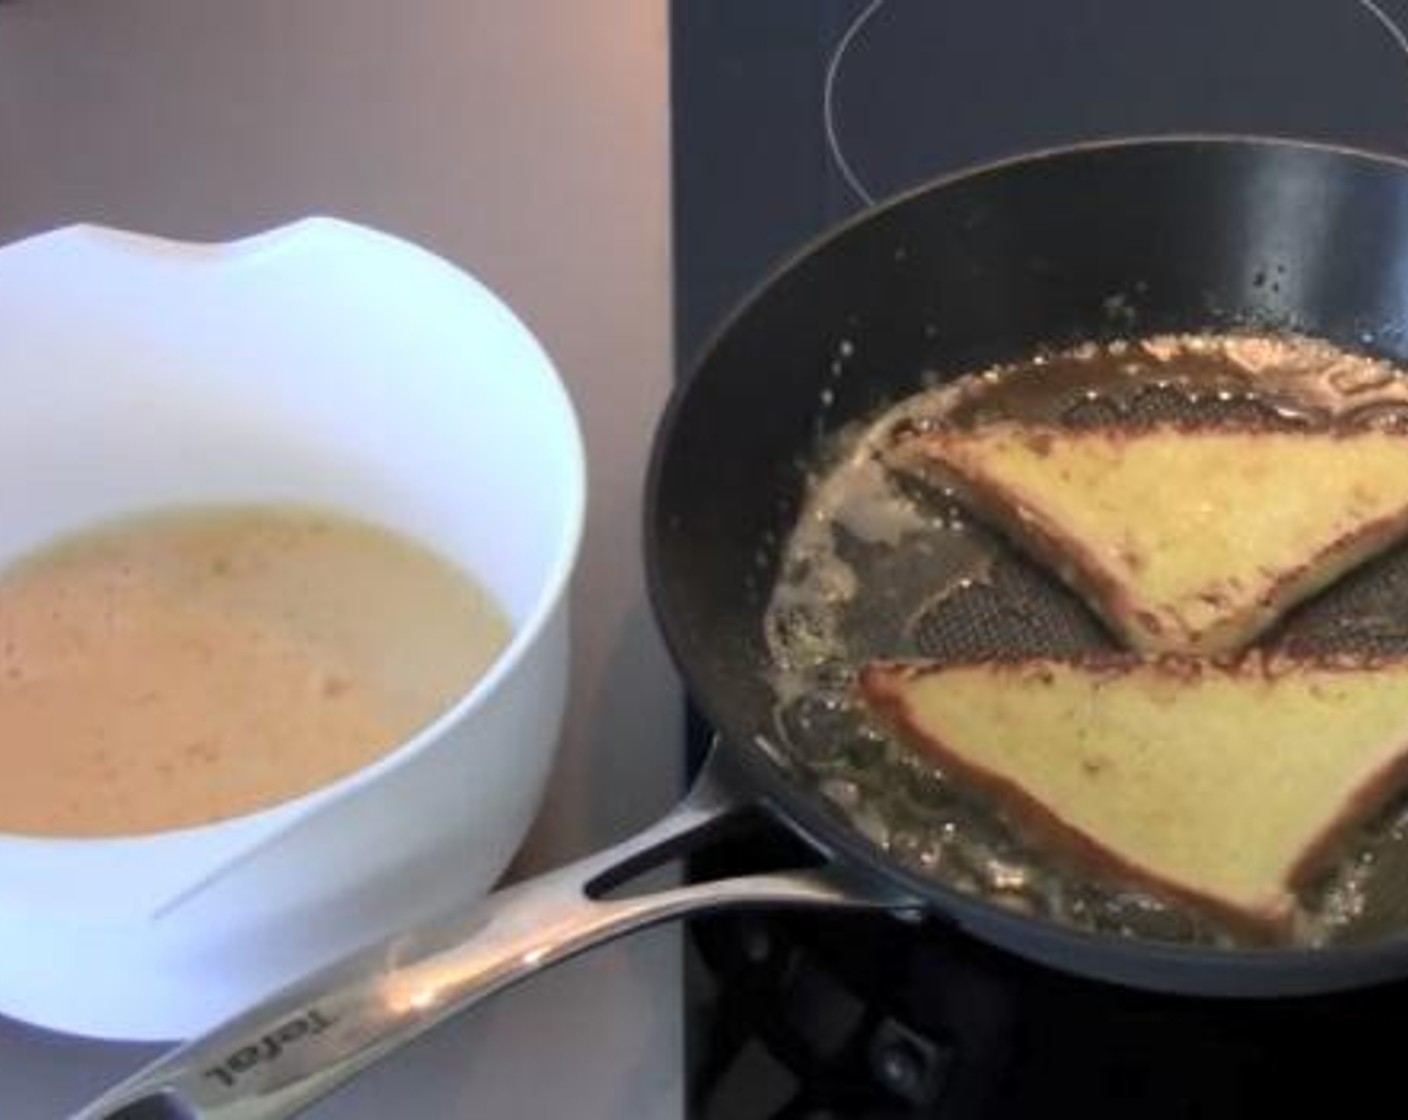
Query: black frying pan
{"points": [[1086, 243]]}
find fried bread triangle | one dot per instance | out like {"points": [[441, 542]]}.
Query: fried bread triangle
{"points": [[1228, 784], [1182, 539]]}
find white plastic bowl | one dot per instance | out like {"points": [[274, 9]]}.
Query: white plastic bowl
{"points": [[319, 362]]}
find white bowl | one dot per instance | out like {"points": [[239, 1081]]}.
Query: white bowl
{"points": [[319, 362]]}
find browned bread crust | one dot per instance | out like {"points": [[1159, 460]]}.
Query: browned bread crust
{"points": [[882, 687], [1235, 620]]}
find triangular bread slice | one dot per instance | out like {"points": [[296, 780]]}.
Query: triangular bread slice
{"points": [[1225, 784], [1183, 539]]}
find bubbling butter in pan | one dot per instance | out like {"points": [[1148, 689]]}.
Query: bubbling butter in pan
{"points": [[177, 668]]}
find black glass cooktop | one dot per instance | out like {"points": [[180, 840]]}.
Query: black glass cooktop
{"points": [[789, 116]]}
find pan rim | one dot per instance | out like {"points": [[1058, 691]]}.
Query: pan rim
{"points": [[1356, 965]]}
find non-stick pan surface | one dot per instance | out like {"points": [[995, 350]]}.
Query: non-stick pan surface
{"points": [[1108, 241]]}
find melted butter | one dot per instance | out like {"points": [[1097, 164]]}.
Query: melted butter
{"points": [[1289, 378]]}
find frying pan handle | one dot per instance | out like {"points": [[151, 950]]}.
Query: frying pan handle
{"points": [[278, 1058]]}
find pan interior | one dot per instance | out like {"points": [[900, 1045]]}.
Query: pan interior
{"points": [[880, 565]]}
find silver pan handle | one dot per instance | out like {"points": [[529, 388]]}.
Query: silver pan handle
{"points": [[280, 1057]]}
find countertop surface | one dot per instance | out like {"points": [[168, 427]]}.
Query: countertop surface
{"points": [[528, 143]]}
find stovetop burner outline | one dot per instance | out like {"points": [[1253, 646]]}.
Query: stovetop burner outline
{"points": [[828, 103], [845, 164]]}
